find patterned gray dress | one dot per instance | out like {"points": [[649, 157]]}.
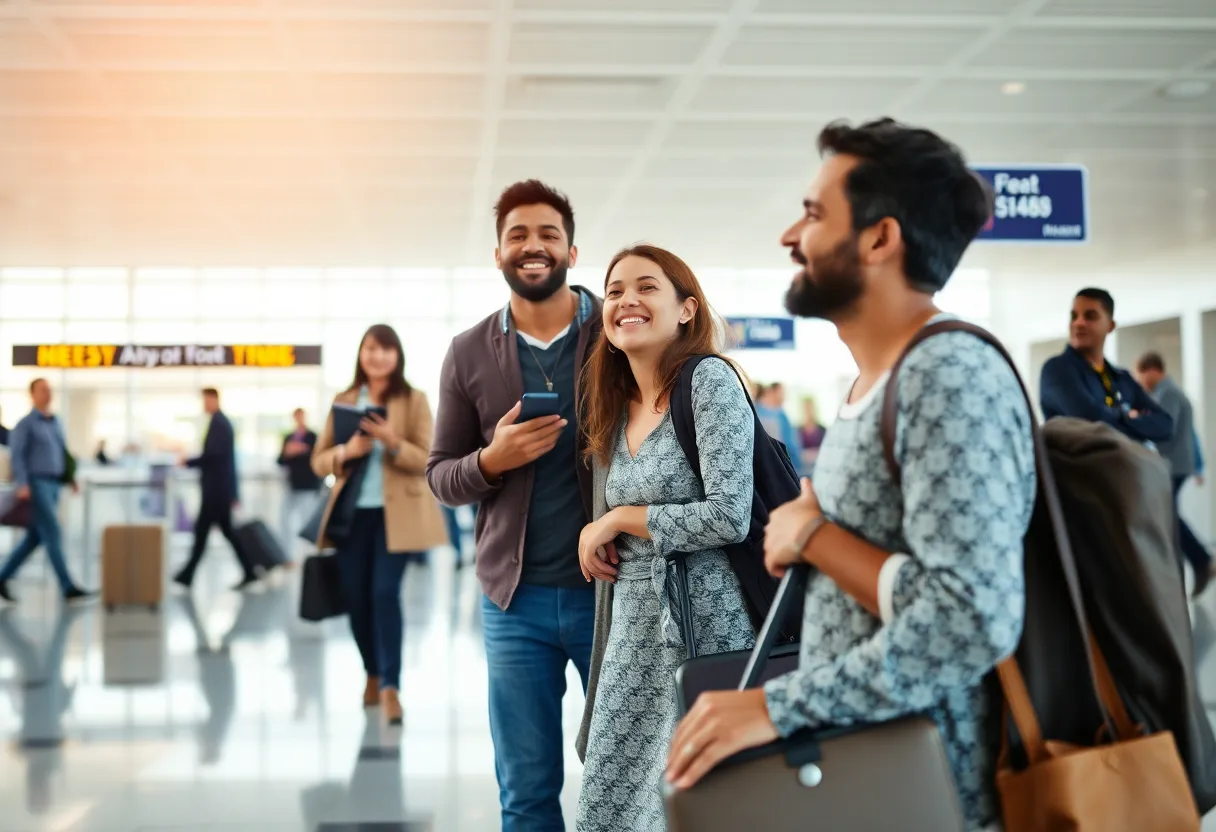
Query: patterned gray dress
{"points": [[635, 708]]}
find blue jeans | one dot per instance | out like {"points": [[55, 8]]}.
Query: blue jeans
{"points": [[44, 530], [1192, 549], [371, 582], [527, 648]]}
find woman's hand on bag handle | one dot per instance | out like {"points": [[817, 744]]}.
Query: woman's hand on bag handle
{"points": [[720, 724], [597, 555]]}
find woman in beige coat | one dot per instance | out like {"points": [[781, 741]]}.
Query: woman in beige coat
{"points": [[380, 509]]}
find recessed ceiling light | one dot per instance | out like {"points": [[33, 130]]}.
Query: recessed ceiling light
{"points": [[1189, 88], [1013, 87]]}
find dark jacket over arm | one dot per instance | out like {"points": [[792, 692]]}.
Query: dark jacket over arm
{"points": [[1068, 386]]}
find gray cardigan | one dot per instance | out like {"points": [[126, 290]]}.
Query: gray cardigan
{"points": [[603, 611]]}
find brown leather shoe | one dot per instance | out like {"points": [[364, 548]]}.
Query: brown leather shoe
{"points": [[371, 693], [390, 705]]}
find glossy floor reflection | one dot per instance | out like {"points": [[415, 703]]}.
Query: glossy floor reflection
{"points": [[226, 712]]}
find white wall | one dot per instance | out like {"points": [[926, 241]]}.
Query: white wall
{"points": [[1029, 308]]}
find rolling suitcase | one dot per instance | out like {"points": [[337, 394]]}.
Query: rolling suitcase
{"points": [[260, 546], [132, 566]]}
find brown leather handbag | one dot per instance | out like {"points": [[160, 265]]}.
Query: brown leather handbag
{"points": [[1133, 784]]}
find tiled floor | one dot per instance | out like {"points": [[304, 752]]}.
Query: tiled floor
{"points": [[226, 712]]}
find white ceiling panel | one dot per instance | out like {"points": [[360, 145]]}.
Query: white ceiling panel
{"points": [[601, 44], [67, 132], [744, 136], [380, 43], [835, 46], [1130, 8], [555, 135], [440, 137], [380, 132], [1156, 102], [625, 5], [43, 90], [885, 7], [554, 94], [800, 95], [140, 43], [1089, 49], [723, 167], [1071, 98], [1173, 140], [240, 93], [559, 169], [21, 45], [396, 95]]}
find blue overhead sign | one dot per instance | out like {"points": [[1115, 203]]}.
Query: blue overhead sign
{"points": [[761, 333], [1037, 203]]}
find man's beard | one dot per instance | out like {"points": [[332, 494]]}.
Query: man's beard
{"points": [[536, 292], [835, 287]]}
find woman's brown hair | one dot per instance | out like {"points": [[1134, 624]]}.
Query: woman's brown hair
{"points": [[386, 337], [608, 380]]}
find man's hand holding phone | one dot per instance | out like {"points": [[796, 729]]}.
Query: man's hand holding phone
{"points": [[516, 445]]}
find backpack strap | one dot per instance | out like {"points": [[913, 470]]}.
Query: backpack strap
{"points": [[1047, 492], [682, 420], [682, 416]]}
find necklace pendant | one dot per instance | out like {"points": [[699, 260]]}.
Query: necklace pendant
{"points": [[549, 386]]}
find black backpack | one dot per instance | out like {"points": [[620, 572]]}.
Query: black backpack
{"points": [[776, 483]]}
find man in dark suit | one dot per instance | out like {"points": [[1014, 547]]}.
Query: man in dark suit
{"points": [[217, 473]]}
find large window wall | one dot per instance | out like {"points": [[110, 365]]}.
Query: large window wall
{"points": [[332, 307]]}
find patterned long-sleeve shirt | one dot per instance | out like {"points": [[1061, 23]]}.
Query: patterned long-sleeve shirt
{"points": [[953, 604], [725, 437]]}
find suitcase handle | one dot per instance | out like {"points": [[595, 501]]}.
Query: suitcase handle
{"points": [[792, 584]]}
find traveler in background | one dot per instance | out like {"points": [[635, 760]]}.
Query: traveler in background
{"points": [[302, 482], [456, 533], [1081, 383], [770, 407], [916, 593], [101, 458], [655, 318], [388, 512], [1199, 465], [1180, 453], [810, 435], [3, 434], [216, 466], [535, 493], [40, 468]]}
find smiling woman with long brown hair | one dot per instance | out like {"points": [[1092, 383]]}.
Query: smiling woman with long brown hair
{"points": [[652, 503]]}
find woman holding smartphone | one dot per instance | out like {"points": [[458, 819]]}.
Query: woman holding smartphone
{"points": [[380, 509], [651, 503]]}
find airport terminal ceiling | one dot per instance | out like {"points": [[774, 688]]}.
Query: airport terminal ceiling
{"points": [[361, 133]]}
